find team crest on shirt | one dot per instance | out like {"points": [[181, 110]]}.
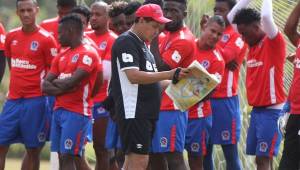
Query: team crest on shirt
{"points": [[42, 137], [205, 64], [225, 38], [176, 56], [68, 144], [103, 45], [100, 110], [163, 142], [195, 147], [87, 60], [225, 135], [263, 146], [34, 46], [75, 58]]}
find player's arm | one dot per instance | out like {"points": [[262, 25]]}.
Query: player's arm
{"points": [[136, 76], [98, 83], [48, 86], [69, 83], [268, 24], [240, 5], [2, 64], [290, 28], [154, 48]]}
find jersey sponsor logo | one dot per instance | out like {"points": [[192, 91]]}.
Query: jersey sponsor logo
{"points": [[195, 147], [263, 146], [176, 56], [127, 58], [75, 58], [18, 63], [225, 38], [254, 63], [103, 45], [225, 135], [239, 43], [139, 146], [53, 52], [87, 60], [205, 64], [34, 46], [297, 63], [42, 137], [163, 142], [68, 144], [64, 75], [14, 42]]}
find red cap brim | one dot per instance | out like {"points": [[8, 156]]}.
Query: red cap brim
{"points": [[162, 20]]}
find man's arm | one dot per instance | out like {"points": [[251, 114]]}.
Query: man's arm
{"points": [[240, 5], [267, 19], [136, 76], [160, 64], [49, 88], [290, 28], [71, 82], [98, 83], [2, 65]]}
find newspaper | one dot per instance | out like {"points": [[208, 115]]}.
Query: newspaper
{"points": [[189, 91]]}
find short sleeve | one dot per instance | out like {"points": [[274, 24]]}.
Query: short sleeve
{"points": [[126, 53], [2, 37], [88, 62], [178, 53], [277, 46], [50, 49], [7, 43], [233, 49], [218, 66]]}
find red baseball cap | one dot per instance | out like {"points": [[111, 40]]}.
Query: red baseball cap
{"points": [[152, 11]]}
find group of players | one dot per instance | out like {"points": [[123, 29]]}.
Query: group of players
{"points": [[60, 73]]}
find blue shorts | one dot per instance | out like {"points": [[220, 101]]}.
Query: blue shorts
{"points": [[68, 132], [50, 101], [197, 135], [24, 121], [112, 138], [226, 118], [170, 130], [264, 137], [99, 111]]}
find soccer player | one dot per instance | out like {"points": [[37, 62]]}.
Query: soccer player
{"points": [[104, 38], [135, 86], [117, 18], [71, 79], [200, 115], [2, 57], [169, 137], [29, 50], [63, 8], [291, 151], [129, 12], [225, 104], [264, 80]]}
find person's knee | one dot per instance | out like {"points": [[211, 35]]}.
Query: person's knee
{"points": [[33, 152], [138, 160], [174, 157], [262, 160], [3, 150]]}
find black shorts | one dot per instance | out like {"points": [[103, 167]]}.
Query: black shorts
{"points": [[136, 135], [291, 151]]}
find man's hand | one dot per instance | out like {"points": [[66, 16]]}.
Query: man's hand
{"points": [[232, 65], [179, 73], [291, 57], [203, 21]]}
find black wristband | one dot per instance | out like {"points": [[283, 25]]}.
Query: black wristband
{"points": [[176, 76]]}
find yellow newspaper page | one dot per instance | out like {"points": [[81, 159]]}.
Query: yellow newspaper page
{"points": [[189, 91]]}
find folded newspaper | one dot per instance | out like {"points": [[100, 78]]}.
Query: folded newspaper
{"points": [[189, 91]]}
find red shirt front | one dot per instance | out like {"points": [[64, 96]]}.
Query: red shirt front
{"points": [[213, 62], [176, 49], [232, 47], [51, 25], [84, 57], [294, 95], [2, 37], [31, 55], [104, 43], [265, 68]]}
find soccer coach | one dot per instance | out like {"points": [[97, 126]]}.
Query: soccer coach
{"points": [[135, 85]]}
